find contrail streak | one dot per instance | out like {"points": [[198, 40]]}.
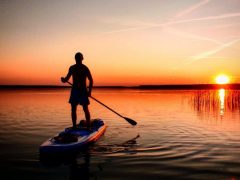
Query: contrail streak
{"points": [[191, 36], [192, 8], [223, 16], [214, 51]]}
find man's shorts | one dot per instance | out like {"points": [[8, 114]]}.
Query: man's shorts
{"points": [[78, 97]]}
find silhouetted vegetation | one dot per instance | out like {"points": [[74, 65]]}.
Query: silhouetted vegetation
{"points": [[216, 101]]}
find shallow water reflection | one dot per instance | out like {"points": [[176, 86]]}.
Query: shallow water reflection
{"points": [[180, 134], [216, 102]]}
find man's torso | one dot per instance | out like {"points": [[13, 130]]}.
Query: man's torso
{"points": [[79, 75]]}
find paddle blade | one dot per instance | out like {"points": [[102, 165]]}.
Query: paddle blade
{"points": [[132, 122]]}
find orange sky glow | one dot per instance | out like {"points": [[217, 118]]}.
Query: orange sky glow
{"points": [[123, 42]]}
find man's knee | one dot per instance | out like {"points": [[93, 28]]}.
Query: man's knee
{"points": [[74, 108], [85, 108]]}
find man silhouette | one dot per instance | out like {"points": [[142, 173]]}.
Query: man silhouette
{"points": [[79, 93]]}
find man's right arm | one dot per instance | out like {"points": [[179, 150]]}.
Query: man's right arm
{"points": [[65, 79]]}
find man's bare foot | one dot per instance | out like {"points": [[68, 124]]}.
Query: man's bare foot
{"points": [[74, 127]]}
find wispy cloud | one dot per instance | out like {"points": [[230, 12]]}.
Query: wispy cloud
{"points": [[174, 21], [146, 26], [191, 36], [192, 8], [206, 54], [198, 37], [223, 16]]}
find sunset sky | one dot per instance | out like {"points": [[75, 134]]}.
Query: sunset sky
{"points": [[124, 42]]}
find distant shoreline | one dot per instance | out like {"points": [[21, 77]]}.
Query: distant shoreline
{"points": [[140, 87]]}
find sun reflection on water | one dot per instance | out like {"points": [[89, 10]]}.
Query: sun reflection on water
{"points": [[221, 94]]}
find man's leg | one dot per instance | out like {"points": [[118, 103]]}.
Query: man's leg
{"points": [[74, 115], [87, 116]]}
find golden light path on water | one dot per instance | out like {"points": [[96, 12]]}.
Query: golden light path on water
{"points": [[221, 94]]}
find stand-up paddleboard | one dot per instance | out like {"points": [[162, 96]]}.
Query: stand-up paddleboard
{"points": [[73, 139]]}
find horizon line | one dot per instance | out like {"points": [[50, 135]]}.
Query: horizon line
{"points": [[147, 86]]}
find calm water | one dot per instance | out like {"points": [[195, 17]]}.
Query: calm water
{"points": [[180, 134]]}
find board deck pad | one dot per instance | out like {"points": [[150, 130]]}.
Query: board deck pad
{"points": [[73, 139]]}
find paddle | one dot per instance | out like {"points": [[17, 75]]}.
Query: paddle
{"points": [[132, 122]]}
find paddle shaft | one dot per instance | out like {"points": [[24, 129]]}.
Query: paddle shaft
{"points": [[107, 107], [102, 104]]}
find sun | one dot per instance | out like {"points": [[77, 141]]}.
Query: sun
{"points": [[222, 79]]}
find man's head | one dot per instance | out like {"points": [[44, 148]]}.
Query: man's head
{"points": [[78, 57]]}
